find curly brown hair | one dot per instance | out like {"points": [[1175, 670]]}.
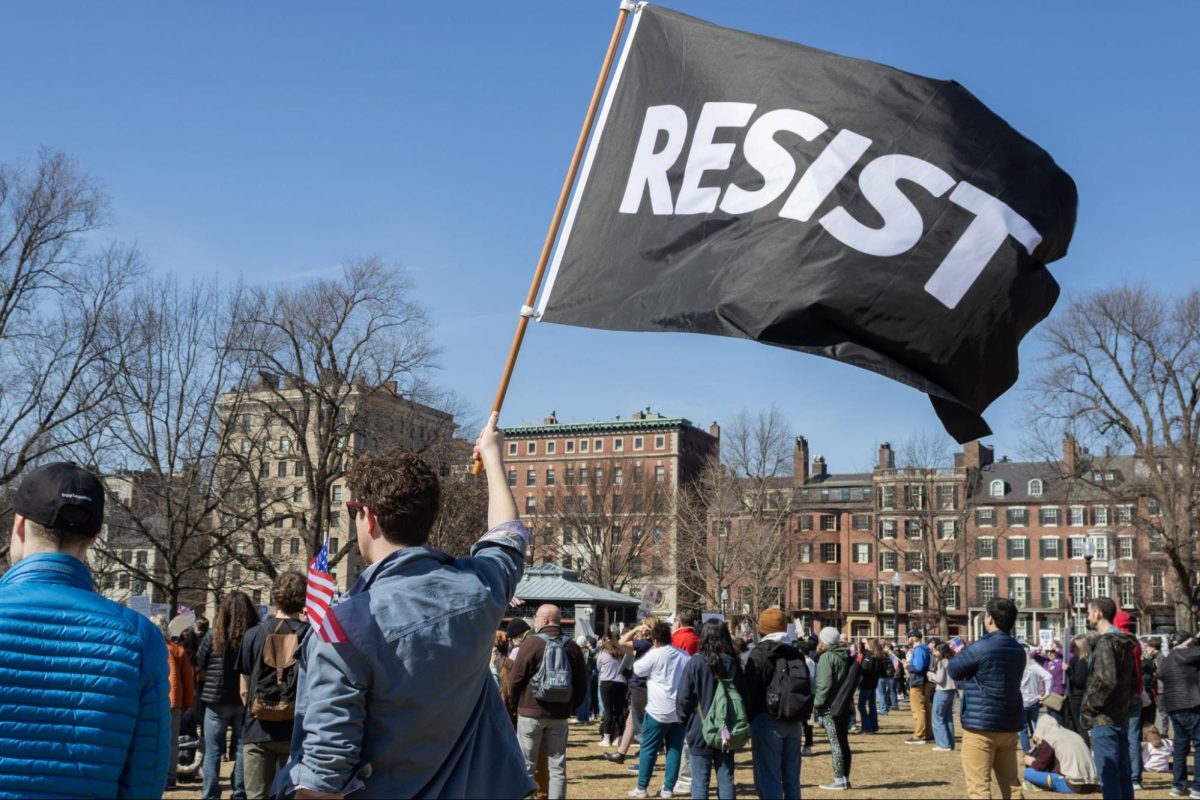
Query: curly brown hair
{"points": [[288, 592], [236, 616], [401, 490]]}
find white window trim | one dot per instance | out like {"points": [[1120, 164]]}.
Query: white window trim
{"points": [[1040, 487], [992, 509], [993, 486], [1057, 516], [1017, 508]]}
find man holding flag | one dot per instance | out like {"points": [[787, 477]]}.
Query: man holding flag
{"points": [[394, 696]]}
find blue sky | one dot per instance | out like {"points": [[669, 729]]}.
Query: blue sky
{"points": [[272, 140]]}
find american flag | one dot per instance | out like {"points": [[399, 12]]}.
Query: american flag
{"points": [[319, 597]]}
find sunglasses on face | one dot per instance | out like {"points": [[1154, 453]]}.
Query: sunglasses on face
{"points": [[354, 508]]}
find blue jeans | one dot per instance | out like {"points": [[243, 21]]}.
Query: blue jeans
{"points": [[655, 735], [1187, 737], [217, 718], [1134, 731], [776, 758], [866, 711], [1031, 715], [943, 718], [1050, 781], [1110, 743], [885, 695], [585, 708], [701, 768]]}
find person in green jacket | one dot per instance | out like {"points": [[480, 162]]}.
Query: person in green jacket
{"points": [[833, 667]]}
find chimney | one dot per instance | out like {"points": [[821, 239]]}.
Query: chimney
{"points": [[818, 467], [976, 455], [1070, 455], [714, 430], [267, 380], [638, 415], [551, 420], [800, 460], [887, 456]]}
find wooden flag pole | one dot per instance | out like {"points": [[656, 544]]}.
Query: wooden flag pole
{"points": [[556, 220]]}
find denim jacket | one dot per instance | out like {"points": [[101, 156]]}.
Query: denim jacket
{"points": [[406, 706]]}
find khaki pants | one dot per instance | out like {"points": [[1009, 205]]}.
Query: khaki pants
{"points": [[920, 698], [987, 752], [260, 762]]}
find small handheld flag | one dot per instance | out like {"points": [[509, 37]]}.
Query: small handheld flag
{"points": [[320, 596]]}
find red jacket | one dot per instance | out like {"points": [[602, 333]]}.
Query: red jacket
{"points": [[687, 640]]}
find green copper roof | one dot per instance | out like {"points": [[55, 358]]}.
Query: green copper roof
{"points": [[606, 425]]}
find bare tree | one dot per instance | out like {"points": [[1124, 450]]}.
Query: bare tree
{"points": [[933, 540], [1122, 369], [55, 286], [167, 355], [331, 354]]}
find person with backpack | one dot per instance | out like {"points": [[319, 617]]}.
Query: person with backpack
{"points": [[780, 699], [920, 692], [712, 704], [870, 660], [944, 692], [838, 674], [221, 691], [269, 668], [550, 681]]}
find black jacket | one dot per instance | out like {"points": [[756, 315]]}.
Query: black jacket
{"points": [[1077, 677], [221, 681], [695, 695], [760, 670], [1180, 676], [869, 672]]}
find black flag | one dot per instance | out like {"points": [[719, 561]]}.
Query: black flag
{"points": [[745, 186]]}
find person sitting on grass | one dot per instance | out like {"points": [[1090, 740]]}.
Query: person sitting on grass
{"points": [[1060, 762]]}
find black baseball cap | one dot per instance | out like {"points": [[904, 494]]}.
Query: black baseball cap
{"points": [[1180, 638], [62, 497]]}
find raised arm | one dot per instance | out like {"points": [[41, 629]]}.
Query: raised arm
{"points": [[501, 506]]}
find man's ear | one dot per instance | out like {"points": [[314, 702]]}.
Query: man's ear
{"points": [[372, 523]]}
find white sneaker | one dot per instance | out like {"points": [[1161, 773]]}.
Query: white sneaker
{"points": [[940, 749], [666, 793], [604, 741], [636, 793]]}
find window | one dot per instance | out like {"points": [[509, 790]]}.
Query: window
{"points": [[1075, 546], [829, 522], [914, 560], [985, 547], [583, 445], [806, 553], [294, 546], [285, 444], [333, 545], [264, 469], [806, 522], [946, 528], [912, 529], [914, 497], [1051, 591], [245, 446], [599, 475], [861, 522], [887, 529], [831, 594], [550, 476], [660, 474], [914, 596], [1018, 590], [1017, 516], [887, 597], [570, 476], [887, 496], [1048, 516], [656, 565], [1155, 545], [1100, 515], [618, 475], [1100, 542], [512, 477], [947, 497], [278, 523], [1018, 548], [548, 537], [658, 534], [862, 554], [639, 443], [887, 561], [583, 476], [1101, 586], [860, 595], [804, 592], [660, 442], [299, 469], [1050, 548], [277, 547], [1076, 516], [997, 488], [1152, 506], [298, 494], [598, 446], [1158, 589], [831, 552], [566, 562], [512, 448], [947, 562], [551, 447], [570, 445], [530, 504], [618, 444], [986, 587], [1125, 515], [531, 477], [335, 518], [336, 494], [1078, 589], [637, 473], [1127, 590], [1124, 547], [953, 597], [985, 517], [530, 448], [1035, 488]]}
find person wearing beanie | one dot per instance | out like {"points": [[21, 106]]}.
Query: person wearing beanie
{"points": [[776, 725], [833, 670]]}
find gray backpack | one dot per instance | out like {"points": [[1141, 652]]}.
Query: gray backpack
{"points": [[552, 682]]}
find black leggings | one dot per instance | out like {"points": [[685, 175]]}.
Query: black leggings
{"points": [[613, 724]]}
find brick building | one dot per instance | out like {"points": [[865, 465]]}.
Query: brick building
{"points": [[599, 496]]}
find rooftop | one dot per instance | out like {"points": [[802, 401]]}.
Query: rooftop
{"points": [[557, 428], [550, 582]]}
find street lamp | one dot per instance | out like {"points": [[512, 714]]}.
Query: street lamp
{"points": [[897, 582]]}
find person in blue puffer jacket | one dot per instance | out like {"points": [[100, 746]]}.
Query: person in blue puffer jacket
{"points": [[84, 693], [989, 673]]}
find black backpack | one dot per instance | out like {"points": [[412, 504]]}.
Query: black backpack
{"points": [[889, 669], [843, 700], [789, 692], [552, 682]]}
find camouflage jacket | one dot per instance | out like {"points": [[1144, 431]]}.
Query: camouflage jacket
{"points": [[1112, 677]]}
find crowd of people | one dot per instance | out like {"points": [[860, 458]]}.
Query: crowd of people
{"points": [[413, 684]]}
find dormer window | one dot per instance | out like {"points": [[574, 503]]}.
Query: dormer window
{"points": [[997, 489], [1035, 488]]}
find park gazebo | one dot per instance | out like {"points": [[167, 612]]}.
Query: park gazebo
{"points": [[595, 606]]}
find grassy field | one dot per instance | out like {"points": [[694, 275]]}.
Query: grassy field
{"points": [[884, 767]]}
